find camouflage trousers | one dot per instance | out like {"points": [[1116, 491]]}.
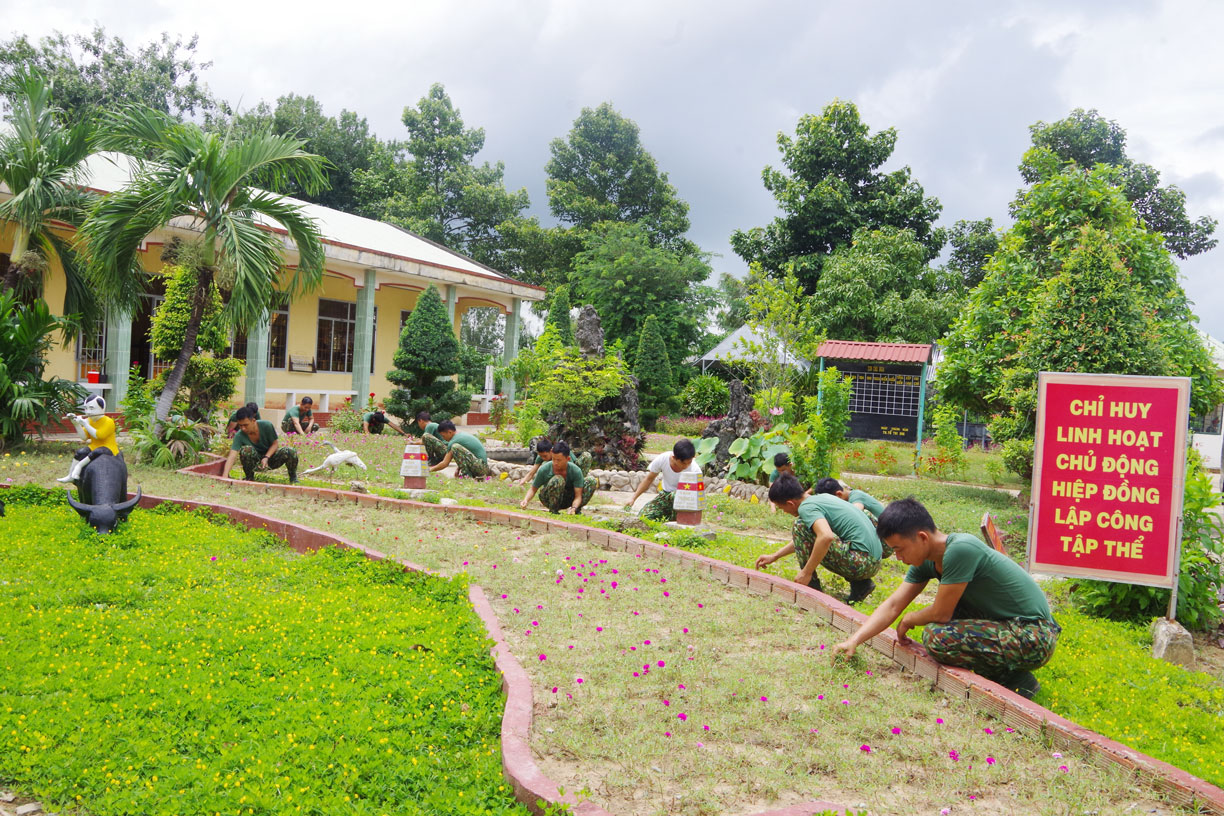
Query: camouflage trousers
{"points": [[435, 448], [661, 508], [310, 426], [583, 461], [992, 648], [557, 496], [249, 457], [841, 559], [467, 463]]}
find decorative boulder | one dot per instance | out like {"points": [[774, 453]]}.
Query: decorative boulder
{"points": [[737, 424], [1172, 643], [588, 333]]}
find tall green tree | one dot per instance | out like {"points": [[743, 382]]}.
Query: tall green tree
{"points": [[881, 289], [973, 242], [733, 303], [427, 356], [628, 279], [42, 163], [652, 367], [185, 172], [1077, 227], [1085, 139], [602, 172], [344, 141], [559, 315], [831, 186], [94, 73], [440, 192]]}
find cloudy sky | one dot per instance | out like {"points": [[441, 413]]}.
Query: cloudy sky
{"points": [[711, 83]]}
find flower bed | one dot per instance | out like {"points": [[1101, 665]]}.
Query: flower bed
{"points": [[187, 666]]}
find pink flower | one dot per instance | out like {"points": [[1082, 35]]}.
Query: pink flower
{"points": [[953, 755], [819, 696], [554, 689], [681, 687], [1062, 768], [866, 749], [686, 631], [939, 720], [990, 760], [987, 731], [667, 702], [645, 642], [776, 410], [682, 716], [896, 730], [706, 727], [764, 699], [579, 679], [667, 733], [661, 664]]}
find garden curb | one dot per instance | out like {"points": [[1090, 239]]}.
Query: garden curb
{"points": [[1180, 786]]}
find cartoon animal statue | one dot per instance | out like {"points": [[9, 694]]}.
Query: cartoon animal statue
{"points": [[103, 491], [97, 430], [340, 457]]}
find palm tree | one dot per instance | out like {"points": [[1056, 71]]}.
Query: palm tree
{"points": [[204, 180], [42, 164]]}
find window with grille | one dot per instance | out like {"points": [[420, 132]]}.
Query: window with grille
{"points": [[278, 340], [91, 351], [891, 394], [337, 336]]}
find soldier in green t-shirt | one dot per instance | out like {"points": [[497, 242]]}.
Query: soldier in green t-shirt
{"points": [[561, 484], [828, 532], [464, 449], [423, 427], [232, 426], [859, 498], [543, 449], [989, 615], [300, 418], [257, 446], [373, 422]]}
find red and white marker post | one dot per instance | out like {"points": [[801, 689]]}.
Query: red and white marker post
{"points": [[413, 466], [690, 499]]}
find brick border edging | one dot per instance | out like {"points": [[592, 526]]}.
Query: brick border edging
{"points": [[1182, 787]]}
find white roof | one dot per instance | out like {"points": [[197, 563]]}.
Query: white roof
{"points": [[107, 172], [1216, 348], [732, 349]]}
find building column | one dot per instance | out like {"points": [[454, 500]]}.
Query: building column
{"points": [[452, 298], [257, 362], [118, 355], [363, 344], [510, 344]]}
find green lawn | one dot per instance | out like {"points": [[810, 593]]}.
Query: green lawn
{"points": [[182, 666]]}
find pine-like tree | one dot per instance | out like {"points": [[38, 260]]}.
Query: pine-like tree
{"points": [[428, 354], [559, 315], [652, 366]]}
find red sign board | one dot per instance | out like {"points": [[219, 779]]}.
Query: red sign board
{"points": [[1108, 477]]}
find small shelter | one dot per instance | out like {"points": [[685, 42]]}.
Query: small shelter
{"points": [[888, 386], [732, 349]]}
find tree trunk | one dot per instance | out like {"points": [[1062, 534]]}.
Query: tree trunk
{"points": [[175, 380]]}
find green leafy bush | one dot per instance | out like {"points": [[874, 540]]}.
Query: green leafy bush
{"points": [[815, 443], [652, 367], [214, 671], [776, 405], [346, 418], [181, 439], [947, 460], [1202, 568], [752, 458], [25, 397], [528, 423], [427, 356], [573, 386], [705, 396]]}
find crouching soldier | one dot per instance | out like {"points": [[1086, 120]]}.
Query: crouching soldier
{"points": [[464, 449], [257, 446], [828, 532], [989, 615], [561, 484]]}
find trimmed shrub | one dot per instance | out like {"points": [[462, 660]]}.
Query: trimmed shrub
{"points": [[427, 356], [704, 396], [652, 366]]}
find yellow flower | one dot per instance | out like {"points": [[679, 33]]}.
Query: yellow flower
{"points": [[727, 489], [503, 475], [754, 499]]}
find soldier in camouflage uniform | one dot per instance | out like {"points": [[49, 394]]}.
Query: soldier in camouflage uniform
{"points": [[828, 532], [562, 485], [989, 615]]}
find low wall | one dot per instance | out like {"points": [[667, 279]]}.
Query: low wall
{"points": [[1183, 788]]}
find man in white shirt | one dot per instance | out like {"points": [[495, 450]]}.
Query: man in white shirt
{"points": [[671, 466]]}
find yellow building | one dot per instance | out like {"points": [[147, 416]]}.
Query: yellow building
{"points": [[334, 342]]}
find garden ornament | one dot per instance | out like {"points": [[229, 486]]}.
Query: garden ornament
{"points": [[340, 457], [103, 491], [96, 429]]}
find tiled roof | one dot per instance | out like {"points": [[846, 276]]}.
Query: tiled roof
{"points": [[876, 352]]}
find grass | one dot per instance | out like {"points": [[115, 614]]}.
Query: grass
{"points": [[612, 734], [185, 666], [897, 459]]}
